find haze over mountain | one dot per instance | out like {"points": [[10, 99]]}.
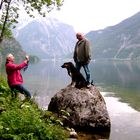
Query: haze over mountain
{"points": [[121, 41], [46, 38], [50, 38]]}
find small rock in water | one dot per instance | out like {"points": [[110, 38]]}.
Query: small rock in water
{"points": [[73, 135]]}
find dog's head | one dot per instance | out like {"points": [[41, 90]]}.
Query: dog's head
{"points": [[67, 65]]}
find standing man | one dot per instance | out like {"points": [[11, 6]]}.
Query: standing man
{"points": [[14, 76], [82, 55]]}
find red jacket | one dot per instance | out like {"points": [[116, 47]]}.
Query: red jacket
{"points": [[13, 73]]}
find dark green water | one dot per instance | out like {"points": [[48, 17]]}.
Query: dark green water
{"points": [[118, 82]]}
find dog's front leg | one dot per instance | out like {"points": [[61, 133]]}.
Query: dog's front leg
{"points": [[73, 84], [69, 72], [73, 80]]}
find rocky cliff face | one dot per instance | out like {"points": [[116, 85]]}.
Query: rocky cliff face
{"points": [[11, 46], [117, 42], [46, 38], [86, 107]]}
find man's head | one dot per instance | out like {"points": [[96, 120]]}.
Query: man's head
{"points": [[10, 57], [79, 36]]}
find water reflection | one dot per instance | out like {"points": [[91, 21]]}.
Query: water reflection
{"points": [[118, 81], [45, 79], [124, 74], [121, 78], [94, 136], [124, 120]]}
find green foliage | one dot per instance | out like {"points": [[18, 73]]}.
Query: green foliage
{"points": [[10, 11], [23, 120], [4, 89], [64, 114], [7, 32], [49, 117]]}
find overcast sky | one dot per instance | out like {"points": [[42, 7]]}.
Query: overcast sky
{"points": [[87, 15]]}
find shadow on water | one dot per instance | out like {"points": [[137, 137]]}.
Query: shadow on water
{"points": [[94, 136]]}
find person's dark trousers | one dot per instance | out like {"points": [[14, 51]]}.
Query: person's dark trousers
{"points": [[21, 89], [86, 69]]}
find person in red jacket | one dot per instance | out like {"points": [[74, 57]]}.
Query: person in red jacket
{"points": [[14, 77]]}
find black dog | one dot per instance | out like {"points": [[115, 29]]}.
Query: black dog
{"points": [[78, 79]]}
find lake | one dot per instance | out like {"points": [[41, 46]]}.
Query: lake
{"points": [[118, 82]]}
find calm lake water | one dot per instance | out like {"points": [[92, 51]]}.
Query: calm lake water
{"points": [[118, 82]]}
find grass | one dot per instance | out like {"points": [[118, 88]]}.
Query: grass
{"points": [[23, 120]]}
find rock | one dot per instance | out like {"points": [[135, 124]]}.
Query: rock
{"points": [[73, 134], [21, 96], [86, 106]]}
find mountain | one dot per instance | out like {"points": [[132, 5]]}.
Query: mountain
{"points": [[11, 46], [46, 38], [121, 41]]}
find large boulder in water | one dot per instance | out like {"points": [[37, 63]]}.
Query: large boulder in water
{"points": [[86, 106]]}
